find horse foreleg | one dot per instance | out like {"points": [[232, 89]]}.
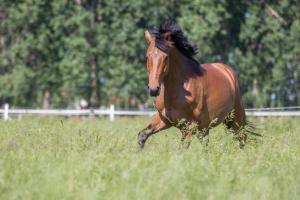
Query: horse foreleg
{"points": [[188, 139], [203, 136], [187, 133], [189, 129], [157, 124]]}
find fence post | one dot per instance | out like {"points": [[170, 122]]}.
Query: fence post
{"points": [[6, 107], [112, 112]]}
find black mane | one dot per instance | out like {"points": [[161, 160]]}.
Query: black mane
{"points": [[177, 38]]}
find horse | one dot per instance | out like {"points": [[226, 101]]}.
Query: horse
{"points": [[187, 92]]}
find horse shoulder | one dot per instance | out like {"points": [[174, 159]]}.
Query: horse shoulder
{"points": [[194, 95]]}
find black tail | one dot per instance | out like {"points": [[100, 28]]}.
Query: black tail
{"points": [[252, 129]]}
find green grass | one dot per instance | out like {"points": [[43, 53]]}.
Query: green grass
{"points": [[97, 159]]}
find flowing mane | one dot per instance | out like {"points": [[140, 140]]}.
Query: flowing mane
{"points": [[177, 38]]}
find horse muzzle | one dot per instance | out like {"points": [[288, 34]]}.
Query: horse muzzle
{"points": [[154, 92]]}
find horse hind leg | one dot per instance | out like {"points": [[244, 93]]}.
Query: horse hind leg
{"points": [[235, 122]]}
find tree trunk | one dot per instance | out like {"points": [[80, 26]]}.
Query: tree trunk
{"points": [[46, 99], [94, 98], [296, 86], [254, 87]]}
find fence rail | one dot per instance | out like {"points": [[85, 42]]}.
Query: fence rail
{"points": [[273, 113], [111, 112]]}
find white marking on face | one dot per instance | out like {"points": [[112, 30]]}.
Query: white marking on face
{"points": [[155, 52]]}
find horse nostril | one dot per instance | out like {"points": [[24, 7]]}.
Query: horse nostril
{"points": [[155, 91]]}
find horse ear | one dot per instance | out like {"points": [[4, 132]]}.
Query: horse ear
{"points": [[168, 36], [148, 36]]}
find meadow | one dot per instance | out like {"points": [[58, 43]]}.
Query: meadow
{"points": [[55, 158]]}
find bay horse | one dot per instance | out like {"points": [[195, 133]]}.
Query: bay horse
{"points": [[185, 90]]}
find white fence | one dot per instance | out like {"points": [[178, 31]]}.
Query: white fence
{"points": [[111, 112]]}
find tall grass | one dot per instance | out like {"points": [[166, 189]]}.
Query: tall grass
{"points": [[97, 159]]}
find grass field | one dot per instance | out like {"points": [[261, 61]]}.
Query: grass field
{"points": [[98, 159]]}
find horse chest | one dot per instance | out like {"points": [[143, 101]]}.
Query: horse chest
{"points": [[179, 107], [179, 104], [182, 99]]}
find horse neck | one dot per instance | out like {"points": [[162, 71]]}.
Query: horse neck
{"points": [[180, 70]]}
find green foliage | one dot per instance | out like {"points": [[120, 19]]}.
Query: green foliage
{"points": [[266, 55], [97, 159], [204, 25], [95, 49]]}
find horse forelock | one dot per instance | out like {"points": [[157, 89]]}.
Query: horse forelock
{"points": [[162, 44], [178, 39]]}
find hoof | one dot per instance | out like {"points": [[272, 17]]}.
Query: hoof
{"points": [[142, 137]]}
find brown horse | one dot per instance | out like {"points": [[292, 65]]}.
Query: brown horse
{"points": [[187, 91]]}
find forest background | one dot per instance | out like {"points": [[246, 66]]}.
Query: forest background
{"points": [[54, 53]]}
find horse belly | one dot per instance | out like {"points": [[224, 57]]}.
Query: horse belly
{"points": [[219, 109]]}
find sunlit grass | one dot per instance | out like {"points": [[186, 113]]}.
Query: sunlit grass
{"points": [[97, 159]]}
